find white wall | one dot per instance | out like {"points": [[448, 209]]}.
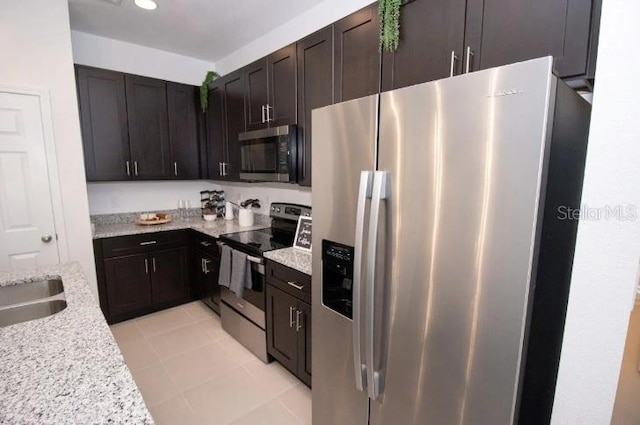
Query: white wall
{"points": [[607, 252], [101, 52], [312, 20], [107, 198], [35, 43]]}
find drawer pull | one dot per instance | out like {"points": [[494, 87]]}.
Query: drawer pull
{"points": [[239, 305], [298, 287], [205, 243], [147, 243]]}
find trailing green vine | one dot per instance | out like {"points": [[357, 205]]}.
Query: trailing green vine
{"points": [[389, 12], [204, 88]]}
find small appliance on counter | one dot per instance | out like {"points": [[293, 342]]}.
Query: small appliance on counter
{"points": [[244, 317]]}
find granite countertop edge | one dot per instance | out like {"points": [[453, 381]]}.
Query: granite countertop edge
{"points": [[65, 368], [291, 257]]}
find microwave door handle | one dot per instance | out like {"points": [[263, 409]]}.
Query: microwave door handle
{"points": [[292, 156], [364, 193]]}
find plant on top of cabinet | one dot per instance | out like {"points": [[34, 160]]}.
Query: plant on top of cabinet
{"points": [[389, 12], [204, 88]]}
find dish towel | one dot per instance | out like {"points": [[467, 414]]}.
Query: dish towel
{"points": [[238, 272], [224, 275]]}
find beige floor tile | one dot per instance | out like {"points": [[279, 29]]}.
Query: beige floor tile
{"points": [[226, 398], [138, 354], [179, 341], [174, 411], [198, 366], [155, 384], [272, 413], [164, 321], [273, 377], [213, 328], [199, 311], [298, 401], [236, 351], [126, 332]]}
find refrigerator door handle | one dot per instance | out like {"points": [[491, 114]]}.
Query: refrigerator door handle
{"points": [[364, 193], [380, 192]]}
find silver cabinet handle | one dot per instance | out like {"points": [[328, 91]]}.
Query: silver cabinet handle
{"points": [[148, 243], [298, 287], [206, 243], [364, 193], [467, 66], [146, 266], [220, 168], [46, 238], [128, 169], [202, 265], [380, 193], [269, 107], [239, 305], [153, 263], [224, 168], [298, 325], [291, 321], [454, 58], [175, 169], [263, 114], [135, 167], [205, 264]]}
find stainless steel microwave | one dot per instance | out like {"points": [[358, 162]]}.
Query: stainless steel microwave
{"points": [[269, 154]]}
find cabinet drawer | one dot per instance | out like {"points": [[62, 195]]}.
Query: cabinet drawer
{"points": [[206, 244], [127, 245], [289, 280]]}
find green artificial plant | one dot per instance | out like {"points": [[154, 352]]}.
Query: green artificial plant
{"points": [[204, 88], [389, 12]]}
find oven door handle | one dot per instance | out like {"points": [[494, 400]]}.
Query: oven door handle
{"points": [[251, 258]]}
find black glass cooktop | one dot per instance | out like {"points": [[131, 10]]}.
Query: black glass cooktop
{"points": [[258, 241]]}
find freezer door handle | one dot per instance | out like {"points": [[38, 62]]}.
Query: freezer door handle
{"points": [[380, 193], [364, 193]]}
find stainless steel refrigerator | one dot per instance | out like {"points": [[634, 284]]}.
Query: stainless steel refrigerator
{"points": [[441, 250]]}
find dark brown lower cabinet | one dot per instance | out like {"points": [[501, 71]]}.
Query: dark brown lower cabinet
{"points": [[169, 276], [139, 274], [128, 284], [289, 332]]}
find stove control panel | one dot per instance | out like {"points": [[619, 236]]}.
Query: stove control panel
{"points": [[289, 211]]}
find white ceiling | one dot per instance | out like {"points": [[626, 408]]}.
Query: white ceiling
{"points": [[204, 29]]}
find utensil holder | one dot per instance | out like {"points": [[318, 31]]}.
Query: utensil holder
{"points": [[245, 217]]}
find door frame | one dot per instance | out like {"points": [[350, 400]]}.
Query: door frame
{"points": [[46, 120]]}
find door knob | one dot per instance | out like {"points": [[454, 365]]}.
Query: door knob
{"points": [[46, 238]]}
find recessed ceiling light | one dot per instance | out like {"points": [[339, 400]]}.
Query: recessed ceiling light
{"points": [[146, 4]]}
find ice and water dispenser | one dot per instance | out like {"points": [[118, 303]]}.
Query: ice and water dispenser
{"points": [[337, 277]]}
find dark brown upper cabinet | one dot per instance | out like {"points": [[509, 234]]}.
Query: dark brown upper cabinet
{"points": [[103, 113], [499, 32], [271, 90], [357, 55], [183, 133], [431, 43], [225, 119], [315, 90], [148, 127]]}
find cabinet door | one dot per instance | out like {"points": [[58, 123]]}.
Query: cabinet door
{"points": [[257, 94], [431, 31], [148, 127], [282, 338], [282, 87], [235, 123], [128, 284], [303, 324], [103, 117], [357, 55], [210, 270], [315, 90], [500, 32], [214, 117], [169, 276], [183, 134]]}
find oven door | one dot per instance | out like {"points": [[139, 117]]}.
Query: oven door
{"points": [[268, 154]]}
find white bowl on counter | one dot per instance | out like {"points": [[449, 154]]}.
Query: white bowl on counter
{"points": [[209, 217]]}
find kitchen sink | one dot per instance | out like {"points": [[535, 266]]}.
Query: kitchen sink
{"points": [[24, 313], [27, 292]]}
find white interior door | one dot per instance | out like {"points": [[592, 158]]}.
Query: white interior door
{"points": [[27, 230]]}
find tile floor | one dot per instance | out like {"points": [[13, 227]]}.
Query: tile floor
{"points": [[190, 371]]}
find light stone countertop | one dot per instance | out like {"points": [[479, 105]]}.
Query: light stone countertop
{"points": [[65, 368], [291, 257]]}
